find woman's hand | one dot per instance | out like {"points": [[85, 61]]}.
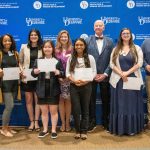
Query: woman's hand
{"points": [[36, 71], [1, 73], [80, 83], [22, 75], [57, 72], [124, 76]]}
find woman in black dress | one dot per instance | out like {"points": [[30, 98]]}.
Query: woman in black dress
{"points": [[28, 53], [48, 90]]}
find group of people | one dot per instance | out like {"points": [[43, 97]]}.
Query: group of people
{"points": [[115, 69]]}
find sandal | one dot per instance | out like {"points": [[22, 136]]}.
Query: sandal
{"points": [[61, 129], [38, 128], [29, 128], [77, 136], [68, 129]]}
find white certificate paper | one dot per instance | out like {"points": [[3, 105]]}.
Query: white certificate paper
{"points": [[46, 65], [29, 77], [84, 74], [133, 83], [11, 73]]}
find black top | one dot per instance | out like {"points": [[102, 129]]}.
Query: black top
{"points": [[33, 55], [9, 60]]}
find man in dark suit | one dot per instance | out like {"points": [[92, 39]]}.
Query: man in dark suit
{"points": [[100, 47]]}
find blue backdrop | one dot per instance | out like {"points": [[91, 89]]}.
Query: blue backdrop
{"points": [[17, 17]]}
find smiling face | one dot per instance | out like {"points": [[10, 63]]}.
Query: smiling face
{"points": [[48, 49], [126, 35], [6, 42], [34, 37], [99, 27], [79, 47], [64, 39]]}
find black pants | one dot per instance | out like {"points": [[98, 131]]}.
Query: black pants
{"points": [[80, 98], [105, 96]]}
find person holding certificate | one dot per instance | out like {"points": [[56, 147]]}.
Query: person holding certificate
{"points": [[126, 104], [8, 59], [28, 53], [48, 87], [63, 51], [80, 88]]}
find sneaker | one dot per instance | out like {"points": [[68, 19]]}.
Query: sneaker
{"points": [[42, 134], [91, 128], [54, 135]]}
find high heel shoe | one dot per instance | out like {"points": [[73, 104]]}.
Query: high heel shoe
{"points": [[30, 129], [37, 129]]}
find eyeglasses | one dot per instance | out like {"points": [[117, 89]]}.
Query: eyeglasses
{"points": [[125, 33]]}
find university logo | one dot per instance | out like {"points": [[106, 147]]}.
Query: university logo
{"points": [[31, 21], [142, 20], [37, 5], [67, 21], [130, 4], [3, 22], [133, 36], [107, 20], [84, 36], [84, 4]]}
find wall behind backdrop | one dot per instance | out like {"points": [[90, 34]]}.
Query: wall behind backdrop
{"points": [[17, 17]]}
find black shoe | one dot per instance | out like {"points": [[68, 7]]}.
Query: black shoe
{"points": [[43, 134], [91, 128], [53, 135]]}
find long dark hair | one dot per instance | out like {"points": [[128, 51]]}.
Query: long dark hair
{"points": [[13, 45], [120, 45], [52, 44], [39, 42], [74, 57]]}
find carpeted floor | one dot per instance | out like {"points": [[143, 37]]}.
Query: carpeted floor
{"points": [[98, 140]]}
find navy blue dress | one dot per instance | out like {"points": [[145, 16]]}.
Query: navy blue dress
{"points": [[126, 106]]}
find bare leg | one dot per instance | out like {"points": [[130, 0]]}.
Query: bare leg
{"points": [[45, 117], [68, 113], [62, 113], [54, 116], [29, 105], [37, 111]]}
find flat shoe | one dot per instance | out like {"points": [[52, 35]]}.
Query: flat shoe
{"points": [[68, 130], [83, 136], [77, 136]]}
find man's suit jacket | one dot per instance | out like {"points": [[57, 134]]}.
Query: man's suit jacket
{"points": [[102, 60]]}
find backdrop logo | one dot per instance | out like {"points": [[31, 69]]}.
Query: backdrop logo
{"points": [[31, 21], [37, 5], [133, 36], [84, 4], [142, 20], [107, 20], [67, 21], [3, 22], [84, 36], [130, 4]]}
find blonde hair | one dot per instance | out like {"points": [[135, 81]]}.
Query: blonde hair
{"points": [[58, 43]]}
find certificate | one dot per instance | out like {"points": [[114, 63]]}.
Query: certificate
{"points": [[47, 65], [84, 74], [11, 73], [29, 77], [133, 83]]}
